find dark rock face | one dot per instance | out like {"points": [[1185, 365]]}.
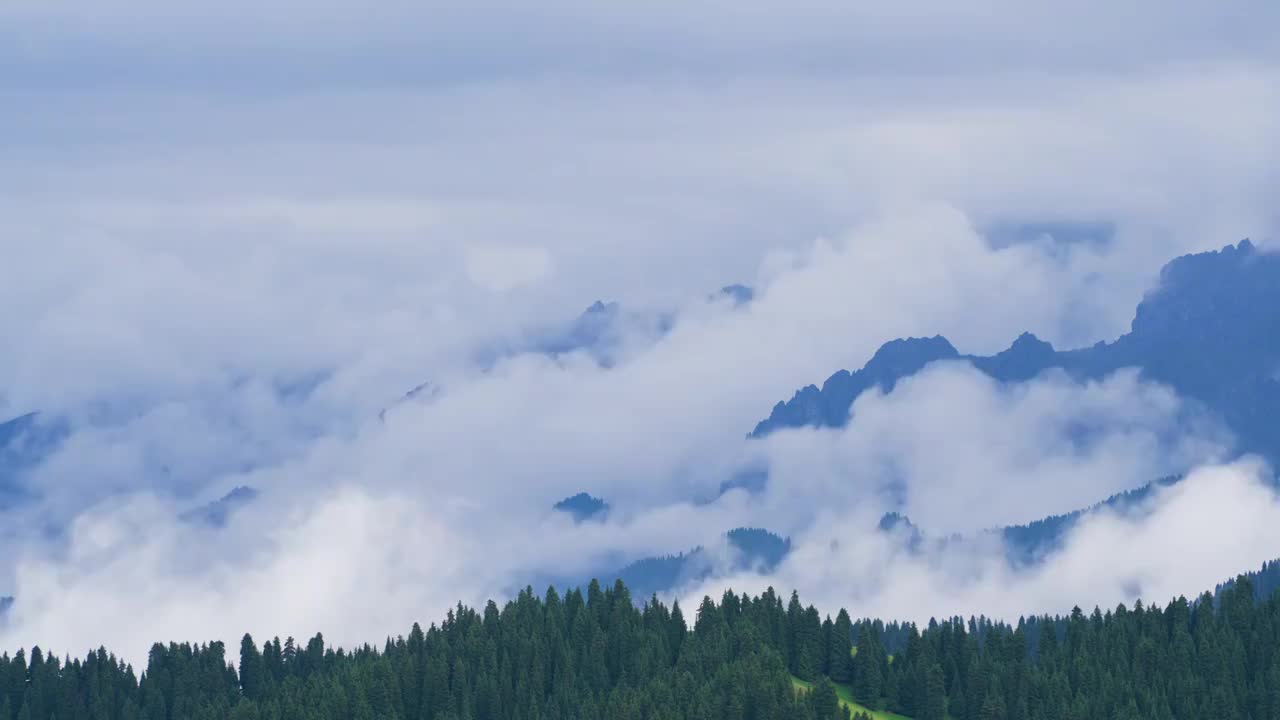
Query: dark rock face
{"points": [[1027, 357], [829, 407]]}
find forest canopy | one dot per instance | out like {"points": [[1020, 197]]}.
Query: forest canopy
{"points": [[599, 654]]}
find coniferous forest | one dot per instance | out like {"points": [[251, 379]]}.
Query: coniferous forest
{"points": [[597, 654]]}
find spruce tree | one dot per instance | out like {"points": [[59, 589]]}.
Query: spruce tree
{"points": [[867, 677], [253, 672], [934, 702], [840, 662], [824, 701]]}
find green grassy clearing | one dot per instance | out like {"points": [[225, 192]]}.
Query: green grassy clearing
{"points": [[845, 694]]}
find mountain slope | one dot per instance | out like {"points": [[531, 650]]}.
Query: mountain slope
{"points": [[1210, 330], [24, 441], [748, 548]]}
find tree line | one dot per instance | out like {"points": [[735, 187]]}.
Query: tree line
{"points": [[595, 653]]}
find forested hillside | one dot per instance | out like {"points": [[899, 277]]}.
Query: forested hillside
{"points": [[595, 654]]}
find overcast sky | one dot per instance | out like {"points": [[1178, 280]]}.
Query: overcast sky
{"points": [[205, 205]]}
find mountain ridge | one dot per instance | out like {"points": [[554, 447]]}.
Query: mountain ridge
{"points": [[1207, 330]]}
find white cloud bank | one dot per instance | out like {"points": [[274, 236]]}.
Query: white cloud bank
{"points": [[450, 500], [1184, 540], [186, 244]]}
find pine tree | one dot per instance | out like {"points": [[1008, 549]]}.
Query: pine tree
{"points": [[840, 662], [253, 671], [867, 677], [823, 700], [934, 703], [536, 659]]}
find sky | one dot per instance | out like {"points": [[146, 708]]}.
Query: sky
{"points": [[234, 235]]}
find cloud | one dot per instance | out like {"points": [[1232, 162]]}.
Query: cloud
{"points": [[307, 570], [340, 42], [450, 499], [957, 452], [1187, 538], [366, 204], [173, 233], [211, 333], [506, 268], [234, 234]]}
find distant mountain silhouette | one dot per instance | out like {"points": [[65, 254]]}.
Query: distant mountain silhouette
{"points": [[11, 429], [602, 329], [751, 479], [599, 329], [583, 507], [219, 511], [829, 406], [24, 441], [753, 549], [750, 549], [1028, 544], [1210, 330], [737, 294], [603, 332]]}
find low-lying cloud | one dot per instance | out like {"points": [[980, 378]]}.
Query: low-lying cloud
{"points": [[1184, 540], [450, 499], [233, 236]]}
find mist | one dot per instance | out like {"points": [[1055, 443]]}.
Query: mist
{"points": [[234, 238]]}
